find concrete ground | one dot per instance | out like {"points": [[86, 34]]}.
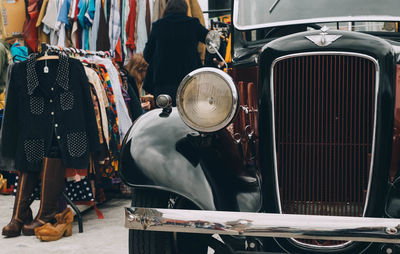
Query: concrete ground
{"points": [[99, 236]]}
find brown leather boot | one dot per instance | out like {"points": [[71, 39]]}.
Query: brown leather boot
{"points": [[22, 213], [53, 182]]}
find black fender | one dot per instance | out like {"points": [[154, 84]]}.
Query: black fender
{"points": [[164, 153]]}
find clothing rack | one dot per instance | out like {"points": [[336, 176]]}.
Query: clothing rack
{"points": [[49, 49], [56, 49]]}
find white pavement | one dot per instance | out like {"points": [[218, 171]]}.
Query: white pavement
{"points": [[105, 236]]}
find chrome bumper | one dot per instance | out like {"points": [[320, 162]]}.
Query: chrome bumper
{"points": [[264, 224]]}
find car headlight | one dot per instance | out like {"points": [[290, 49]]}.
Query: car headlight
{"points": [[207, 99]]}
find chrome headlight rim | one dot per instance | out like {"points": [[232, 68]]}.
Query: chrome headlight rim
{"points": [[234, 94]]}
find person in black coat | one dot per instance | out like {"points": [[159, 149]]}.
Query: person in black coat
{"points": [[171, 49]]}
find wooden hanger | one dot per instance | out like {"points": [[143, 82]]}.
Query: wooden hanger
{"points": [[47, 57]]}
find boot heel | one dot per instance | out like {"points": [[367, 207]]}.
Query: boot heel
{"points": [[68, 231]]}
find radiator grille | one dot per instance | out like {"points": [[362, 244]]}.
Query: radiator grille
{"points": [[324, 118]]}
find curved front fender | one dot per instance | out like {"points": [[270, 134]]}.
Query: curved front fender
{"points": [[149, 158]]}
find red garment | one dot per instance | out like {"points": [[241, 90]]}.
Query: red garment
{"points": [[29, 31], [130, 26], [76, 10], [79, 29], [118, 53]]}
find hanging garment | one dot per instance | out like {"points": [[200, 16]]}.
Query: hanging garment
{"points": [[2, 101], [158, 9], [95, 27], [124, 19], [114, 24], [103, 41], [124, 120], [29, 31], [130, 26], [102, 97], [84, 23], [4, 54], [141, 31], [148, 18], [63, 13], [96, 107], [42, 36], [50, 21], [56, 105], [108, 170], [195, 11]]}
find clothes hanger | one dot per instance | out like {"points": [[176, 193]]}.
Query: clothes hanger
{"points": [[46, 57]]}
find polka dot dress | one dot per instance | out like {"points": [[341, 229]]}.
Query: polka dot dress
{"points": [[79, 191]]}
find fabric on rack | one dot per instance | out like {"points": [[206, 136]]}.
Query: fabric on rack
{"points": [[50, 21], [124, 121], [111, 110], [71, 120], [103, 41], [2, 100], [4, 63], [63, 14], [118, 51], [42, 36], [96, 107], [79, 190], [114, 24], [90, 12], [60, 26], [29, 31], [109, 168], [71, 13], [103, 101], [148, 18], [130, 26], [124, 19], [195, 11], [158, 9], [108, 9], [84, 22], [141, 30], [95, 27], [64, 23], [75, 34], [61, 36]]}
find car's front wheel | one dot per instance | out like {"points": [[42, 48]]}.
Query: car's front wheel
{"points": [[151, 242]]}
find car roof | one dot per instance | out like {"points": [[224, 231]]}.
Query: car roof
{"points": [[253, 14]]}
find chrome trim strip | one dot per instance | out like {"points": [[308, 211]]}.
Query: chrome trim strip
{"points": [[311, 20], [341, 53], [235, 98], [264, 224]]}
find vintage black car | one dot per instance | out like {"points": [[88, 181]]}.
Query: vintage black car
{"points": [[294, 149]]}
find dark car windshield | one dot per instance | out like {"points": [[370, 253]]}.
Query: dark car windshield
{"points": [[383, 28], [252, 14]]}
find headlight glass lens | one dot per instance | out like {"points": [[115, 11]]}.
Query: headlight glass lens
{"points": [[206, 100]]}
